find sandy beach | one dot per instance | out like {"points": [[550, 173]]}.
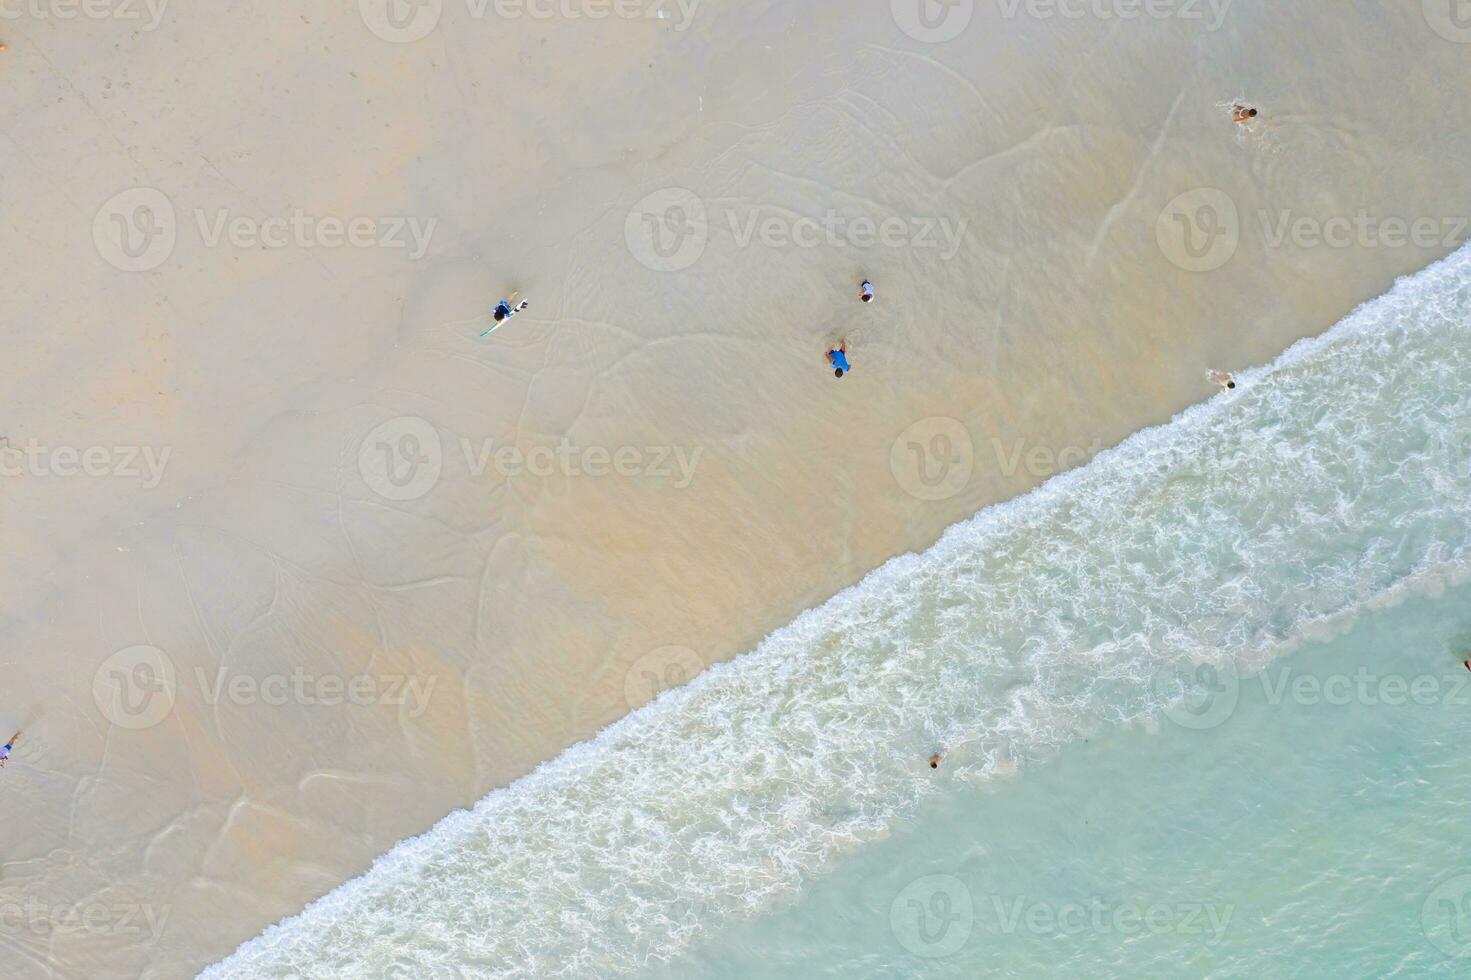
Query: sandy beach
{"points": [[296, 561]]}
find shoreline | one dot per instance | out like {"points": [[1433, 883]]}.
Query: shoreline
{"points": [[545, 607], [629, 769]]}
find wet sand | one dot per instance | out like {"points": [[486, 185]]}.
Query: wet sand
{"points": [[345, 566]]}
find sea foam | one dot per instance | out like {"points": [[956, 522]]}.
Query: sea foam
{"points": [[1334, 478]]}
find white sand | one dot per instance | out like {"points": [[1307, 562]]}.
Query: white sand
{"points": [[527, 611]]}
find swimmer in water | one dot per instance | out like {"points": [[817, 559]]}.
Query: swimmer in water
{"points": [[935, 759], [5, 749], [1224, 379], [1242, 114]]}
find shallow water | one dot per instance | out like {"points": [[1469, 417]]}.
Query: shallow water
{"points": [[1132, 594], [1315, 828]]}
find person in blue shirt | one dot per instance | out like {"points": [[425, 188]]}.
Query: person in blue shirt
{"points": [[5, 751], [508, 308], [838, 357]]}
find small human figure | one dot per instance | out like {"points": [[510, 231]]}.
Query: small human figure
{"points": [[935, 761], [1242, 114], [5, 749], [508, 308], [504, 310], [838, 357], [1224, 379], [865, 291], [1466, 664]]}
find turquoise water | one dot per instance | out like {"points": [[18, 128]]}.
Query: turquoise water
{"points": [[1088, 659], [1302, 836]]}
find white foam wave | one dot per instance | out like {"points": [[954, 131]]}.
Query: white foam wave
{"points": [[1335, 477]]}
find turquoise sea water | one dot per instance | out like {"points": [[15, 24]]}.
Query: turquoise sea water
{"points": [[1165, 687], [1318, 830]]}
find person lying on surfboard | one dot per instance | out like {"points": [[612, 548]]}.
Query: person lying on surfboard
{"points": [[506, 309]]}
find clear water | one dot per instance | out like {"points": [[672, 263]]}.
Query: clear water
{"points": [[1090, 660], [1318, 830]]}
